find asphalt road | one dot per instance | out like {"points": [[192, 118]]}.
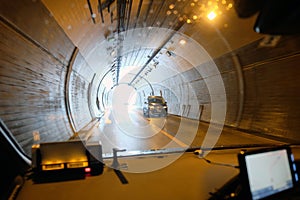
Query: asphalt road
{"points": [[135, 133]]}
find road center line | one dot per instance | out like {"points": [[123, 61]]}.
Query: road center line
{"points": [[174, 139]]}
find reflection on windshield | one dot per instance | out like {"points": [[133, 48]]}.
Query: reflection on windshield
{"points": [[155, 100], [127, 128]]}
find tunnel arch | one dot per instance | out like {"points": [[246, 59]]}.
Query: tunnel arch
{"points": [[195, 58]]}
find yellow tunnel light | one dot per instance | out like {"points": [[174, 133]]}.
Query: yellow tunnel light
{"points": [[52, 166], [77, 164]]}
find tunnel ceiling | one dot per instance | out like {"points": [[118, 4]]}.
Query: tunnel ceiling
{"points": [[150, 33]]}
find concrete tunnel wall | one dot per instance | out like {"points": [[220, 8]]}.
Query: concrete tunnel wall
{"points": [[37, 58], [44, 80], [271, 89], [270, 95]]}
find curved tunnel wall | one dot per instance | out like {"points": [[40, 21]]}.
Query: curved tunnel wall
{"points": [[78, 89], [34, 67], [271, 89]]}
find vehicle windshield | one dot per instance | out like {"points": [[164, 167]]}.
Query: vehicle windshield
{"points": [[84, 70], [155, 100], [166, 91]]}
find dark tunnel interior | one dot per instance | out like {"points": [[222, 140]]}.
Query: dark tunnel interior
{"points": [[68, 68]]}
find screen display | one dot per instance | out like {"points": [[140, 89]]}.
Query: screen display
{"points": [[268, 173]]}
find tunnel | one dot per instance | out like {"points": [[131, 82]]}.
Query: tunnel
{"points": [[227, 69]]}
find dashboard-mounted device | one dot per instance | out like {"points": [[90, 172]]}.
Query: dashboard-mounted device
{"points": [[267, 173], [66, 159]]}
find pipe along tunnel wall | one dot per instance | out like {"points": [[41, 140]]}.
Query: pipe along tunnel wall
{"points": [[35, 68]]}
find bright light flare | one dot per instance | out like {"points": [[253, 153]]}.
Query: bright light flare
{"points": [[182, 42], [212, 15]]}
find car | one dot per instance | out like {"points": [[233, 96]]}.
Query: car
{"points": [[156, 106]]}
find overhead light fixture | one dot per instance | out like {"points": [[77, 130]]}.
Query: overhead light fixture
{"points": [[182, 42], [212, 15], [113, 52], [171, 6]]}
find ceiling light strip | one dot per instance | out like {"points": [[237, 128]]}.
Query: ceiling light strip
{"points": [[156, 52]]}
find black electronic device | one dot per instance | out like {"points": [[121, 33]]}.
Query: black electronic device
{"points": [[63, 160], [267, 173]]}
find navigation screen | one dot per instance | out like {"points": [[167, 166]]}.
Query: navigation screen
{"points": [[268, 173]]}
